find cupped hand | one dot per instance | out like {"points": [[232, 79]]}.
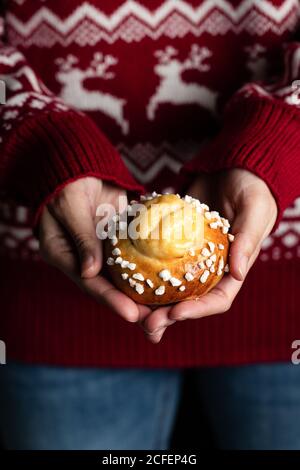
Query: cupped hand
{"points": [[247, 202], [68, 241]]}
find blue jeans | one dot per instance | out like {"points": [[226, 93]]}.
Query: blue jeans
{"points": [[249, 407]]}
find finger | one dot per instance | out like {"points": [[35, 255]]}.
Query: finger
{"points": [[54, 246], [74, 213], [56, 251], [155, 338], [144, 311], [157, 321], [250, 228], [218, 300], [105, 293]]}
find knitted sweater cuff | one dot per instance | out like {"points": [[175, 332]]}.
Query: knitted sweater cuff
{"points": [[50, 150], [262, 136]]}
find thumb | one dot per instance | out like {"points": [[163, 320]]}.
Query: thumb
{"points": [[249, 229], [88, 247], [75, 215]]}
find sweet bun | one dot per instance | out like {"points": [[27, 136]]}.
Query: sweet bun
{"points": [[168, 249]]}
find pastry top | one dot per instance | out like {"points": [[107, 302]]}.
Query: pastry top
{"points": [[168, 249]]}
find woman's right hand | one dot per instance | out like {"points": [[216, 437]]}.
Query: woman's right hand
{"points": [[69, 242]]}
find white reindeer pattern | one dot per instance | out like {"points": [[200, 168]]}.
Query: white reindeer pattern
{"points": [[172, 89], [73, 92]]}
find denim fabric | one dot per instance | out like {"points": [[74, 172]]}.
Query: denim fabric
{"points": [[252, 407], [61, 408], [249, 407]]}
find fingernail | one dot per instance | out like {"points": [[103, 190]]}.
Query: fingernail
{"points": [[154, 332], [156, 337], [177, 317], [243, 265], [88, 265], [159, 337]]}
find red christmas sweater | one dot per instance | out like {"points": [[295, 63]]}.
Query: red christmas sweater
{"points": [[132, 92]]}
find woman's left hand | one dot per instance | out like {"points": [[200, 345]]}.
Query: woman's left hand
{"points": [[248, 203]]}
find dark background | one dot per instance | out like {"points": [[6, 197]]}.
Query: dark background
{"points": [[191, 429]]}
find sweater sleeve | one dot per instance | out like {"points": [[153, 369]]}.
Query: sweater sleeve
{"points": [[45, 144], [261, 133]]}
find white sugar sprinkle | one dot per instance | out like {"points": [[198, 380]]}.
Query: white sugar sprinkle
{"points": [[139, 288], [188, 199], [225, 230], [165, 275], [150, 283], [118, 260], [211, 246], [131, 266], [208, 263], [131, 282], [221, 246], [124, 276], [204, 276], [138, 276], [226, 269], [214, 225], [160, 290], [207, 215], [116, 251], [182, 288], [175, 282], [110, 261], [124, 263], [220, 266], [205, 207], [215, 214], [212, 269], [225, 222], [213, 258], [189, 276], [192, 252], [230, 237], [114, 240], [205, 252], [201, 265]]}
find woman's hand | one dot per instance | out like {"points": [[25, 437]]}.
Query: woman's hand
{"points": [[69, 242], [251, 209]]}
